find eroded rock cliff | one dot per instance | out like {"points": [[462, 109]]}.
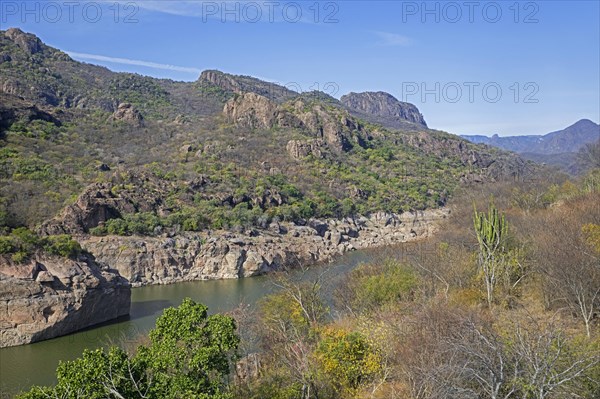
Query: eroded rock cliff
{"points": [[49, 297], [383, 105], [336, 127], [201, 256]]}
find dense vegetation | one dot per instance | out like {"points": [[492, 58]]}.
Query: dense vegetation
{"points": [[500, 304], [48, 175]]}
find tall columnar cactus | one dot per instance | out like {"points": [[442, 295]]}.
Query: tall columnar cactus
{"points": [[491, 231]]}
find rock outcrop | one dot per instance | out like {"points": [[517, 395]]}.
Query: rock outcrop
{"points": [[201, 256], [100, 202], [26, 41], [50, 297], [251, 110], [240, 84], [128, 113], [339, 130], [13, 108], [383, 105], [299, 149]]}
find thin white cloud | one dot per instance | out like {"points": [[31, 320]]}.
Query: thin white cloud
{"points": [[181, 8], [392, 39], [232, 11], [127, 61]]}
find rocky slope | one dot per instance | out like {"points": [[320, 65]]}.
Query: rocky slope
{"points": [[49, 297], [171, 255], [218, 255], [385, 106], [335, 126]]}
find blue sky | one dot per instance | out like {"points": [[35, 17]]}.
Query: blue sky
{"points": [[471, 67]]}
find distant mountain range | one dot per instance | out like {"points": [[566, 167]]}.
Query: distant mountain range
{"points": [[558, 148]]}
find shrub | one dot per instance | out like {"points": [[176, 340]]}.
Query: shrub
{"points": [[62, 245], [371, 286], [116, 226], [19, 256], [348, 358], [7, 245], [98, 231]]}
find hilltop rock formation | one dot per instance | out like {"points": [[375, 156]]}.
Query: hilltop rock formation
{"points": [[239, 84], [251, 110], [26, 41], [201, 256], [50, 297], [339, 130], [383, 105]]}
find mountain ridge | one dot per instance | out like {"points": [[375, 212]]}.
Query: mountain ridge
{"points": [[68, 124], [569, 139]]}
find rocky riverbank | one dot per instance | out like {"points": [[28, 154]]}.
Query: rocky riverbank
{"points": [[220, 255], [49, 297]]}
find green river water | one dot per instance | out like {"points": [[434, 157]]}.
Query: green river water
{"points": [[35, 364]]}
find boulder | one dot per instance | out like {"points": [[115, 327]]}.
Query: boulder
{"points": [[128, 113]]}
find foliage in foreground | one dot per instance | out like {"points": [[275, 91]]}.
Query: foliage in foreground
{"points": [[189, 356]]}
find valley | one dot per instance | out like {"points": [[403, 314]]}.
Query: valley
{"points": [[352, 250]]}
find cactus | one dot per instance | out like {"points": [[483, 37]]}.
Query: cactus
{"points": [[491, 231]]}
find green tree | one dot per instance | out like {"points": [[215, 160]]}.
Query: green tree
{"points": [[189, 356], [190, 353], [375, 285], [96, 375]]}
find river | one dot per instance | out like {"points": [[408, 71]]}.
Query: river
{"points": [[35, 364]]}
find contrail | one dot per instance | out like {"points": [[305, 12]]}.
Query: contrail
{"points": [[128, 61]]}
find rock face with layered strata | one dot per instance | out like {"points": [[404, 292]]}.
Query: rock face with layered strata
{"points": [[201, 256]]}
